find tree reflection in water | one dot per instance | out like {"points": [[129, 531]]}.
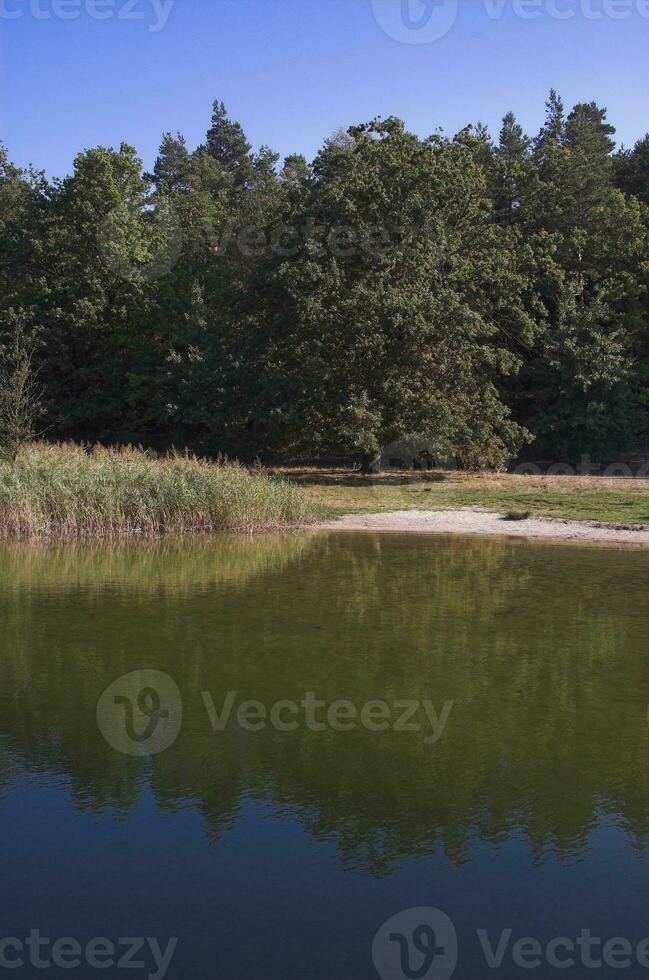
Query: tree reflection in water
{"points": [[541, 648]]}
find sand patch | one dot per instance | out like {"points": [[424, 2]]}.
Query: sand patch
{"points": [[479, 522]]}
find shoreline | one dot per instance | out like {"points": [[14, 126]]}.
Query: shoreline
{"points": [[487, 523]]}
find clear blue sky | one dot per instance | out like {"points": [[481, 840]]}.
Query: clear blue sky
{"points": [[293, 71]]}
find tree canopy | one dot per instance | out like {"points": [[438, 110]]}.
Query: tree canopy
{"points": [[488, 293]]}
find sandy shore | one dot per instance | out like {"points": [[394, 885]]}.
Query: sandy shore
{"points": [[479, 522]]}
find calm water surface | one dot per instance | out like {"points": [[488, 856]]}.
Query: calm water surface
{"points": [[275, 853]]}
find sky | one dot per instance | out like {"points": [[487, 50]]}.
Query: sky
{"points": [[79, 73]]}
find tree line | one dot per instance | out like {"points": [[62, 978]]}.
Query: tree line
{"points": [[488, 294]]}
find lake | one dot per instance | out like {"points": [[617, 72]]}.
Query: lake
{"points": [[243, 757]]}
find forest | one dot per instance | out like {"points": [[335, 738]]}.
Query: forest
{"points": [[486, 292]]}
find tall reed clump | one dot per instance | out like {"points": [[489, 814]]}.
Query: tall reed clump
{"points": [[67, 491]]}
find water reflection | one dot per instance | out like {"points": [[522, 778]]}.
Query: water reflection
{"points": [[541, 649]]}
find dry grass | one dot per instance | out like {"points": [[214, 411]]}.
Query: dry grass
{"points": [[610, 500], [65, 491]]}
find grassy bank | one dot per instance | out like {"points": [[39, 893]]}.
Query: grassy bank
{"points": [[63, 491], [573, 497]]}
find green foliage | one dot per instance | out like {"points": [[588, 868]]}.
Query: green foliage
{"points": [[483, 295], [397, 315], [227, 145], [173, 166], [632, 170]]}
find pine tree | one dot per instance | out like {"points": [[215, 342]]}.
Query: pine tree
{"points": [[632, 170], [172, 167], [589, 137], [591, 243], [553, 131], [228, 146], [513, 170], [295, 170]]}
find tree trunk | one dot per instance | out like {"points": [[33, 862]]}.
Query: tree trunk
{"points": [[371, 463]]}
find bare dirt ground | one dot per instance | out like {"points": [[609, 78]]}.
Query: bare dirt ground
{"points": [[485, 523]]}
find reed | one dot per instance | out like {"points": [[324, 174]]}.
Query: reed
{"points": [[69, 491]]}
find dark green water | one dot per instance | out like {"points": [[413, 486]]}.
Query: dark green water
{"points": [[274, 853]]}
